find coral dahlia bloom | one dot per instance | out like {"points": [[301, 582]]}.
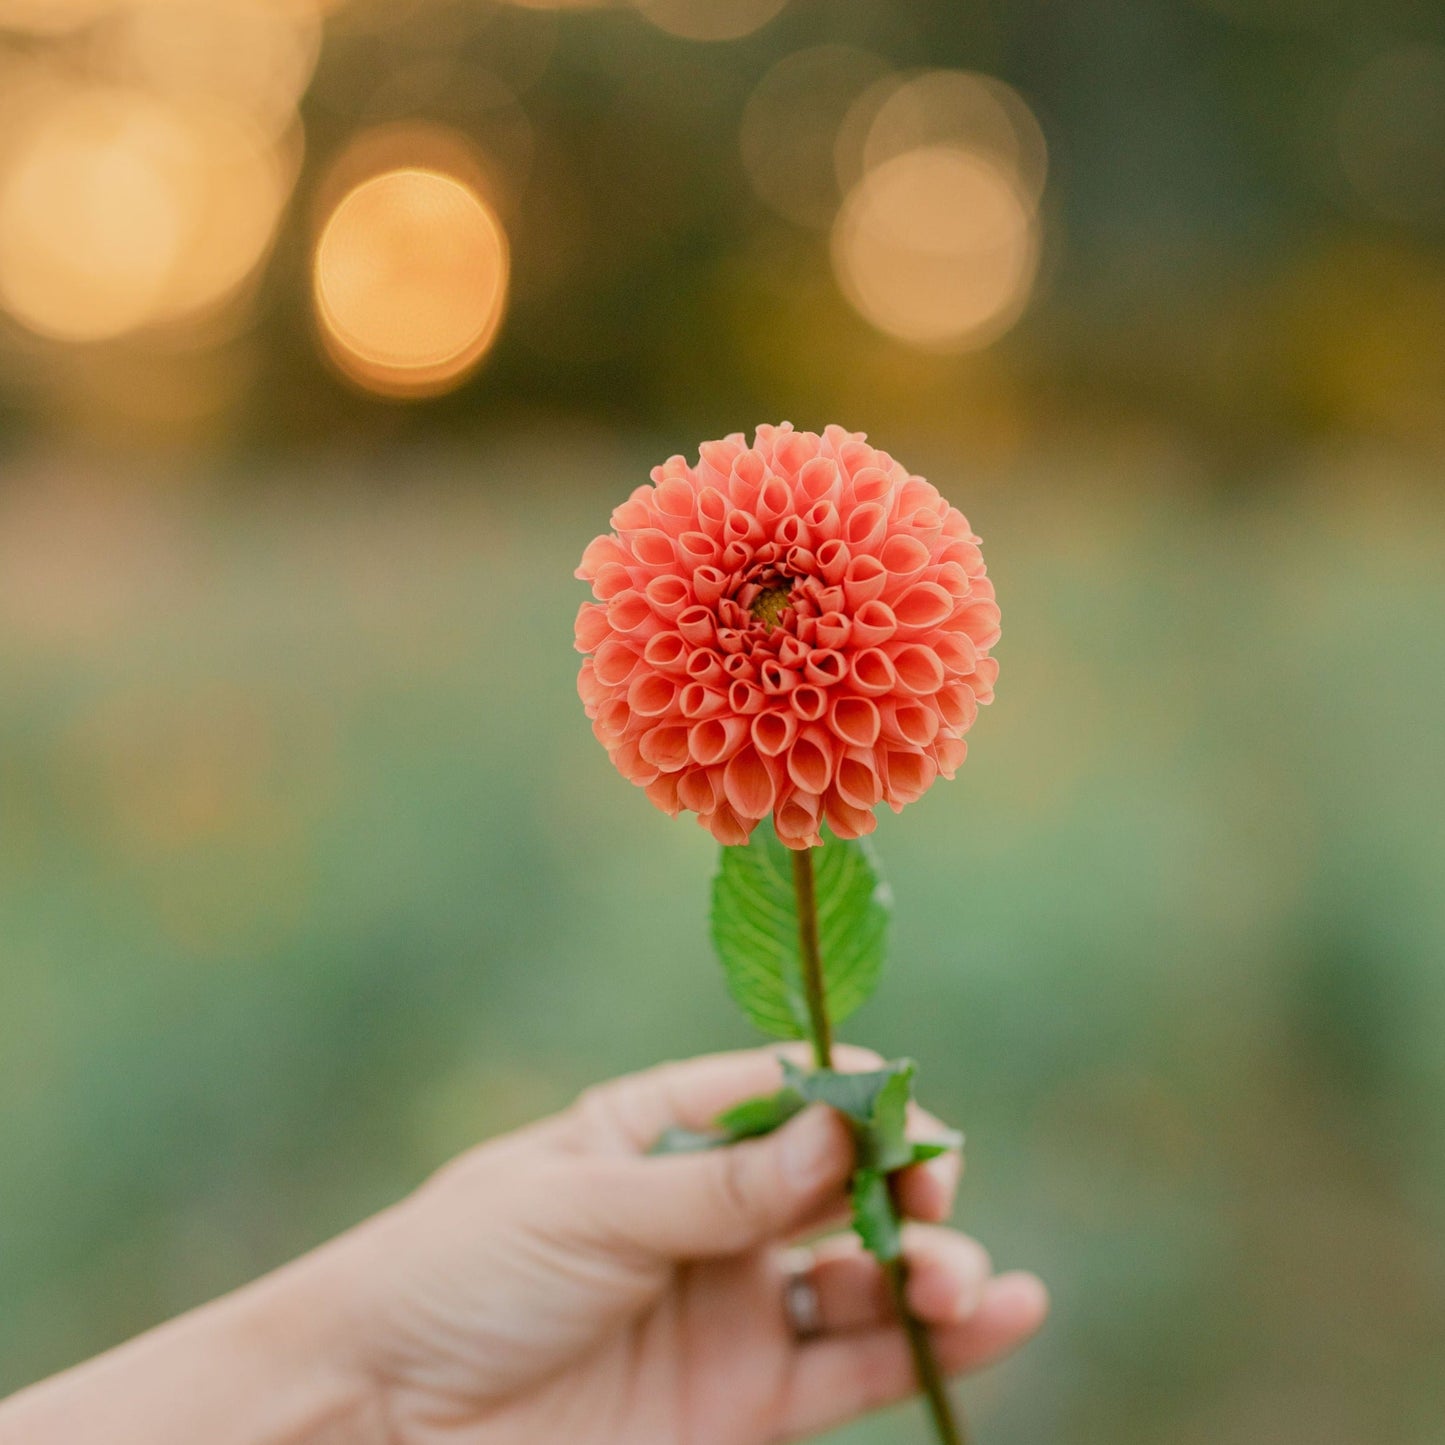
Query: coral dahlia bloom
{"points": [[797, 628]]}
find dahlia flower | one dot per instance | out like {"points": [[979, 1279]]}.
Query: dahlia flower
{"points": [[797, 628]]}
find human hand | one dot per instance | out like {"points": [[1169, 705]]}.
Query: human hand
{"points": [[559, 1284]]}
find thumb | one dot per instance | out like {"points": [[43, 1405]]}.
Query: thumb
{"points": [[723, 1201]]}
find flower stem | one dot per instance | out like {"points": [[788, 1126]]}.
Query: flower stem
{"points": [[925, 1364], [815, 990]]}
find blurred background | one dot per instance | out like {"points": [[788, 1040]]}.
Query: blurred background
{"points": [[330, 333]]}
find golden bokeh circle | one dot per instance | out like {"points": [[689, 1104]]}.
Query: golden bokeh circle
{"points": [[410, 281], [710, 19], [938, 248]]}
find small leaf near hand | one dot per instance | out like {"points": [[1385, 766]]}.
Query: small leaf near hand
{"points": [[755, 928], [874, 1218], [748, 1120]]}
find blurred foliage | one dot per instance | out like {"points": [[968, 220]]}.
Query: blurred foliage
{"points": [[312, 874]]}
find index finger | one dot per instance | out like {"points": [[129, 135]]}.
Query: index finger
{"points": [[629, 1115]]}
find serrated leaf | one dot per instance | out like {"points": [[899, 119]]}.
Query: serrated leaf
{"points": [[755, 928], [874, 1217]]}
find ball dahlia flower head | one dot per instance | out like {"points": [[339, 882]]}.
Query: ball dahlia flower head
{"points": [[798, 627]]}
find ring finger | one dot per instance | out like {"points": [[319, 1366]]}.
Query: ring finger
{"points": [[947, 1273]]}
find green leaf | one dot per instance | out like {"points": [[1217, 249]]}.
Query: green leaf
{"points": [[925, 1149], [887, 1143], [761, 1116], [855, 1095], [874, 1217], [748, 1120], [755, 928]]}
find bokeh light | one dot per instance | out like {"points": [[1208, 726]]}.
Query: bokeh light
{"points": [[120, 210], [790, 127], [1392, 134], [410, 281], [237, 188], [93, 214], [962, 108], [51, 17], [937, 247], [256, 55], [710, 19]]}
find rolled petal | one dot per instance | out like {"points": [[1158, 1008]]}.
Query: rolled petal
{"points": [[809, 703], [700, 789], [697, 625], [695, 702], [873, 673], [773, 732], [650, 694], [855, 720], [864, 581], [796, 818], [667, 596], [715, 739], [833, 629], [833, 560], [705, 666], [918, 668], [857, 780], [662, 793], [667, 652], [903, 555], [744, 698], [908, 773], [922, 606], [949, 754], [749, 784], [665, 747], [865, 528], [592, 627], [725, 825], [873, 623], [958, 706], [810, 761], [614, 662], [908, 722], [845, 820]]}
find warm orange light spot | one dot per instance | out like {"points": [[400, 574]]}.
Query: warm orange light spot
{"points": [[235, 187], [51, 17], [710, 19], [93, 216], [410, 281], [937, 247], [962, 108], [254, 55]]}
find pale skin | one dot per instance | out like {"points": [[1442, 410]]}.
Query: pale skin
{"points": [[558, 1284]]}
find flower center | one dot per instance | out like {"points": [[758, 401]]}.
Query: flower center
{"points": [[770, 604]]}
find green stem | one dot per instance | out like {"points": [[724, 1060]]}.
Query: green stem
{"points": [[814, 988], [920, 1346]]}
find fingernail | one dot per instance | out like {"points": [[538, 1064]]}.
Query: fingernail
{"points": [[810, 1147]]}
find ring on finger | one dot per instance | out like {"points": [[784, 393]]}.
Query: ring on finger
{"points": [[802, 1304]]}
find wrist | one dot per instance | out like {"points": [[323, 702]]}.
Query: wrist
{"points": [[303, 1327], [268, 1365]]}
